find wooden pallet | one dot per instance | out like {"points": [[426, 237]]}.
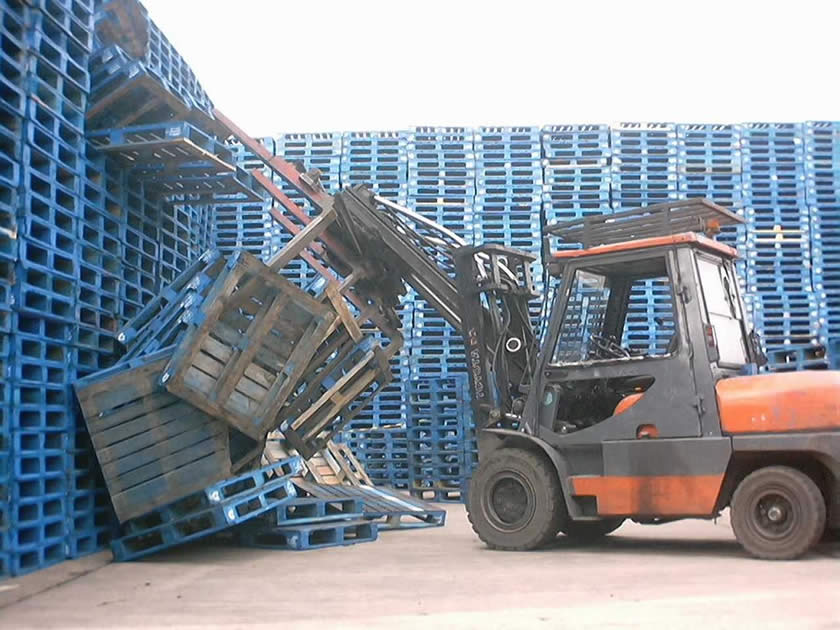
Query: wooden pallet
{"points": [[250, 342], [333, 465], [153, 447], [340, 381]]}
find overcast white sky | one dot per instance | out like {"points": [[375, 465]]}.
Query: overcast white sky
{"points": [[276, 65]]}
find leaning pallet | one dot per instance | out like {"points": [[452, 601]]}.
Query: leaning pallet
{"points": [[152, 446], [333, 465], [164, 319], [245, 350], [339, 383]]}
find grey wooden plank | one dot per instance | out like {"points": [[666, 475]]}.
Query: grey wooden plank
{"points": [[140, 424], [168, 487], [208, 364], [136, 409], [155, 431], [251, 389], [123, 480]]}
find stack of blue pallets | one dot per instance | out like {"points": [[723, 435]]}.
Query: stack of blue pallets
{"points": [[245, 224], [379, 160], [442, 449], [55, 304], [709, 165], [785, 306], [384, 452], [643, 172], [137, 63], [822, 178], [644, 164], [576, 171], [509, 192], [441, 187], [321, 151]]}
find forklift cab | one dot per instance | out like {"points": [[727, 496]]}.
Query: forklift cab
{"points": [[639, 333]]}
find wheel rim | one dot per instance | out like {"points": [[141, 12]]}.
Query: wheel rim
{"points": [[509, 502], [775, 514]]}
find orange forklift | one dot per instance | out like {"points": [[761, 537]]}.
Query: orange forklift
{"points": [[585, 424], [683, 427]]}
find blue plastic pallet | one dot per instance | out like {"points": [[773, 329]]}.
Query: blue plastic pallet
{"points": [[190, 519], [309, 537]]}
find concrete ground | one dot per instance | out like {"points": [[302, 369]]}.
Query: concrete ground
{"points": [[687, 575]]}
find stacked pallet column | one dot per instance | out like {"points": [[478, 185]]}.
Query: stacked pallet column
{"points": [[778, 249], [822, 178], [576, 172], [709, 165], [308, 151], [379, 160], [509, 193], [441, 187], [644, 172], [246, 224], [46, 301]]}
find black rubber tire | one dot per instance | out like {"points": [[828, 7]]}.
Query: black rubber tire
{"points": [[802, 508], [505, 481], [590, 531]]}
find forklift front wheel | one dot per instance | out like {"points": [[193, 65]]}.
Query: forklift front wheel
{"points": [[590, 531], [515, 501], [778, 513]]}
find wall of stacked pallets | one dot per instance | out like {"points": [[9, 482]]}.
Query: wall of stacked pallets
{"points": [[84, 246]]}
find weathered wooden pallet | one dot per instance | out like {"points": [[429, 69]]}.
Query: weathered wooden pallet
{"points": [[341, 380], [153, 447], [247, 346], [389, 508], [334, 464]]}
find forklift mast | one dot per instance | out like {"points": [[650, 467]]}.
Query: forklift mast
{"points": [[482, 291]]}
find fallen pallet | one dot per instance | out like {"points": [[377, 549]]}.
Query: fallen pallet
{"points": [[335, 464], [390, 509], [215, 509], [153, 447], [311, 536]]}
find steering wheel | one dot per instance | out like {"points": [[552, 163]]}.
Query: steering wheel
{"points": [[607, 348]]}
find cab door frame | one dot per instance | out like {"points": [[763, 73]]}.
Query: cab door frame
{"points": [[674, 395]]}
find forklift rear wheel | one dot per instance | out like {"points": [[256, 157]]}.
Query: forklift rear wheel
{"points": [[590, 531], [778, 513], [515, 501]]}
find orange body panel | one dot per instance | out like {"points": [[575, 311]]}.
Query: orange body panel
{"points": [[628, 401], [780, 403], [645, 243], [652, 496]]}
